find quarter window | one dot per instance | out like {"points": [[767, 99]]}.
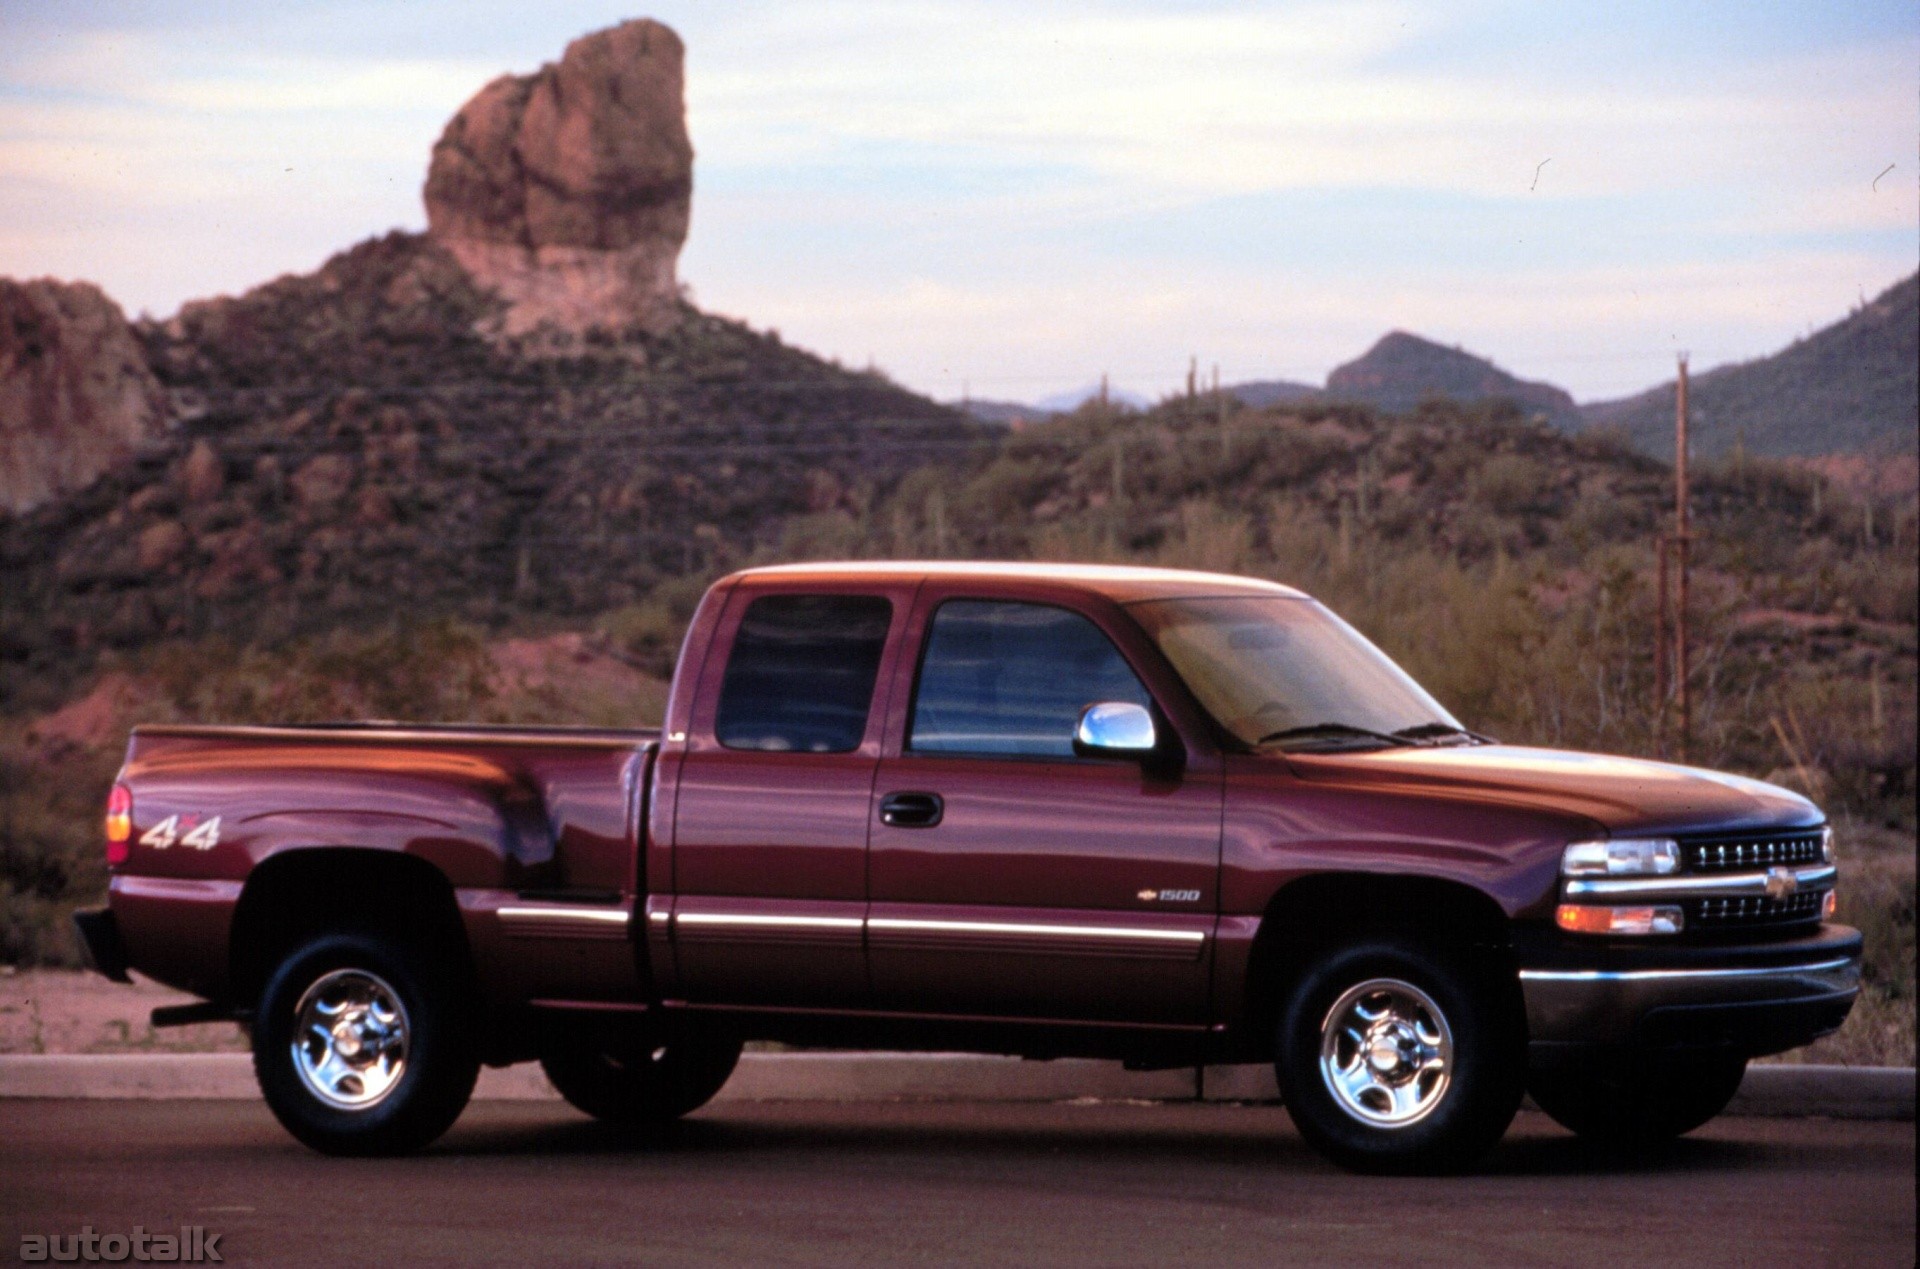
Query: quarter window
{"points": [[801, 674], [1012, 679]]}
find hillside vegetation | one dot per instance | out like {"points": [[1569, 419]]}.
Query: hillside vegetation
{"points": [[1401, 371], [352, 450], [1508, 565], [1853, 387]]}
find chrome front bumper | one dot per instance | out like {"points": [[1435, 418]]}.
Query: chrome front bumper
{"points": [[1756, 998], [1711, 886]]}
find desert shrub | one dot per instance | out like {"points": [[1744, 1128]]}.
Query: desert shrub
{"points": [[649, 632], [1209, 538], [52, 857], [436, 670], [1511, 484]]}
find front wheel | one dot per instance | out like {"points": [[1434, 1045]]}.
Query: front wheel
{"points": [[1638, 1102], [362, 1045], [640, 1080], [1395, 1057]]}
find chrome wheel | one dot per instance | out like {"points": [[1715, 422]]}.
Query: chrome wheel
{"points": [[1386, 1053], [350, 1039]]}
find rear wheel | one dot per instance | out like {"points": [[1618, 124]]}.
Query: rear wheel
{"points": [[637, 1079], [362, 1046], [1395, 1057], [1637, 1101]]}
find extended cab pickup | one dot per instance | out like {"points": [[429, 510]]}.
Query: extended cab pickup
{"points": [[1165, 817]]}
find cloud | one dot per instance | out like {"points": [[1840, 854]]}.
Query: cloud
{"points": [[1012, 193], [1219, 103]]}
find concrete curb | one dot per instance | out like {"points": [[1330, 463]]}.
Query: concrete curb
{"points": [[1832, 1092], [1836, 1092]]}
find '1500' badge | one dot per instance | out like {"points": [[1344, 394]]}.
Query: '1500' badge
{"points": [[1169, 896], [186, 830]]}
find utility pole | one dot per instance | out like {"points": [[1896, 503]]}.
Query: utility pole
{"points": [[1661, 646], [1683, 542]]}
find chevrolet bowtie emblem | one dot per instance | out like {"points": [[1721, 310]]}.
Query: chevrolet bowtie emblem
{"points": [[1781, 883]]}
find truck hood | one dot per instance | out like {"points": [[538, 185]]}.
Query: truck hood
{"points": [[1619, 794]]}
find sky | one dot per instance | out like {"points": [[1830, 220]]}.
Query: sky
{"points": [[1010, 199]]}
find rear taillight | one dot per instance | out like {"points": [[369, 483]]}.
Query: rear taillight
{"points": [[119, 825]]}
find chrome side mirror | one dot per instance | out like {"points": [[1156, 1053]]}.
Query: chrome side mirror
{"points": [[1115, 729]]}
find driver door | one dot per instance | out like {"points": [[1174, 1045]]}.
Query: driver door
{"points": [[1010, 877]]}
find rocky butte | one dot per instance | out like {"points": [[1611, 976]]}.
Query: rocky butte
{"points": [[1401, 370], [568, 191], [76, 394], [513, 413], [563, 196]]}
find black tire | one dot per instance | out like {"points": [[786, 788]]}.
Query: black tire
{"points": [[1447, 1020], [636, 1080], [1635, 1102], [396, 1091]]}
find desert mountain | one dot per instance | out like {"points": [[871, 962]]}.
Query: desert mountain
{"points": [[1014, 413], [511, 417], [1402, 370], [515, 419], [76, 394], [1852, 387], [1265, 392]]}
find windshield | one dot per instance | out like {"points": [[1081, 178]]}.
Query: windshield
{"points": [[1287, 671]]}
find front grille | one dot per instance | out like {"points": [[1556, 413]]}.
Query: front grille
{"points": [[1752, 853], [1751, 910]]}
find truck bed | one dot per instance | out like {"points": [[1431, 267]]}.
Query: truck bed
{"points": [[376, 731]]}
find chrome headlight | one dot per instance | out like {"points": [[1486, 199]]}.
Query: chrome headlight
{"points": [[1826, 844], [1622, 857]]}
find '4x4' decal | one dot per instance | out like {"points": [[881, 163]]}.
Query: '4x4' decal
{"points": [[190, 831]]}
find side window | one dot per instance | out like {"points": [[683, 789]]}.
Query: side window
{"points": [[800, 677], [1005, 678]]}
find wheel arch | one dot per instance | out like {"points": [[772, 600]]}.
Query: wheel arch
{"points": [[1313, 914], [294, 895]]}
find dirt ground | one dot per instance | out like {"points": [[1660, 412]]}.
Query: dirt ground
{"points": [[66, 1011]]}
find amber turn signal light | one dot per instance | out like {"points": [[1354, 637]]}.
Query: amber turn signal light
{"points": [[119, 825], [1585, 918]]}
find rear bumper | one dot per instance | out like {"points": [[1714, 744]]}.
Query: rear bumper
{"points": [[100, 935], [1753, 999]]}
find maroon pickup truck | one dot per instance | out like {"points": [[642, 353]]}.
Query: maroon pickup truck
{"points": [[1170, 818]]}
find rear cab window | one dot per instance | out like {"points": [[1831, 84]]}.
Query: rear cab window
{"points": [[800, 676]]}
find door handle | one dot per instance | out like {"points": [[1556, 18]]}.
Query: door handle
{"points": [[911, 810]]}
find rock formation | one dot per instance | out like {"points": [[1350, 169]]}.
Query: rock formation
{"points": [[567, 192], [1401, 370], [1849, 388], [76, 395]]}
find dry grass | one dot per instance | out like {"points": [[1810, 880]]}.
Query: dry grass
{"points": [[1876, 894]]}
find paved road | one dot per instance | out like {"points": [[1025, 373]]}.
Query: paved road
{"points": [[928, 1183]]}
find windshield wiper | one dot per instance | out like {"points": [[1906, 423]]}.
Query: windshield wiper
{"points": [[1426, 731], [1333, 731]]}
